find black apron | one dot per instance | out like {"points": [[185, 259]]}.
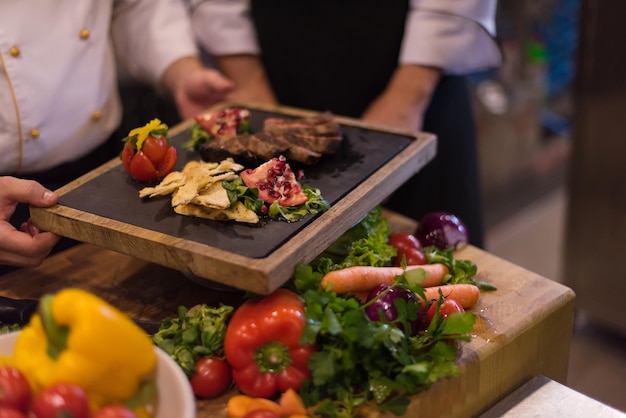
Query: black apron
{"points": [[338, 55]]}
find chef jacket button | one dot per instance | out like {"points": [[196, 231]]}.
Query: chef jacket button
{"points": [[97, 115], [15, 51], [84, 34], [34, 133]]}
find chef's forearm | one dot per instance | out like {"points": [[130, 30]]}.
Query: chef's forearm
{"points": [[412, 86], [405, 99], [248, 74], [177, 71]]}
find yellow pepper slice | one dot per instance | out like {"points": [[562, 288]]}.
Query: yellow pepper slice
{"points": [[145, 131]]}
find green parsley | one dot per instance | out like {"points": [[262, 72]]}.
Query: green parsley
{"points": [[196, 332], [360, 362]]}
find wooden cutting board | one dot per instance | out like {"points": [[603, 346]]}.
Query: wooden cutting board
{"points": [[103, 208], [524, 328]]}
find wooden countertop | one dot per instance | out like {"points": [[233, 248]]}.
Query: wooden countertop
{"points": [[524, 328]]}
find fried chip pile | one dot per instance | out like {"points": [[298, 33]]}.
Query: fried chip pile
{"points": [[197, 191]]}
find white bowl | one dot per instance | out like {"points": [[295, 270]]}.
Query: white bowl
{"points": [[175, 399]]}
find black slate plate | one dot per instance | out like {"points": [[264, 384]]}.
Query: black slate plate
{"points": [[114, 194]]}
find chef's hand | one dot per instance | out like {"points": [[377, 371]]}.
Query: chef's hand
{"points": [[195, 88], [28, 246], [403, 103]]}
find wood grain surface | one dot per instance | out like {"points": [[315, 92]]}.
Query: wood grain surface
{"points": [[202, 260], [524, 328]]}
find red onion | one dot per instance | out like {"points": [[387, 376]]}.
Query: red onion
{"points": [[443, 230], [385, 304]]}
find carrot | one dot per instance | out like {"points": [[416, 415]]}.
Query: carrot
{"points": [[465, 294], [362, 296], [291, 403], [358, 279], [239, 405], [265, 404]]}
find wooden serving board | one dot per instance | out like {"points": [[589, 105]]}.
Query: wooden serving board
{"points": [[103, 208], [523, 328]]}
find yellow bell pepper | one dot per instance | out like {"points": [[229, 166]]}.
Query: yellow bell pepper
{"points": [[78, 338]]}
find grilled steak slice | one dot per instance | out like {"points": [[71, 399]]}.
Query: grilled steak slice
{"points": [[253, 149], [290, 150], [319, 133], [219, 149], [265, 150], [302, 140]]}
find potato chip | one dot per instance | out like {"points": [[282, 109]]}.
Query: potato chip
{"points": [[213, 196], [195, 168], [199, 176], [238, 213], [188, 191], [209, 169], [168, 185], [197, 191]]}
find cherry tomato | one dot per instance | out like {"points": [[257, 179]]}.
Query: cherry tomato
{"points": [[154, 161], [448, 306], [8, 412], [261, 413], [413, 256], [59, 400], [408, 246], [155, 148], [114, 411], [403, 241], [167, 163], [137, 164], [14, 389], [213, 377]]}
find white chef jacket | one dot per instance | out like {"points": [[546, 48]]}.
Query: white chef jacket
{"points": [[456, 36], [58, 82]]}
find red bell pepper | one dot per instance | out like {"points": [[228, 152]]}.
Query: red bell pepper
{"points": [[262, 345]]}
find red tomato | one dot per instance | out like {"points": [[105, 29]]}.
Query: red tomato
{"points": [[114, 411], [261, 413], [58, 400], [154, 161], [413, 256], [403, 241], [448, 306], [167, 163], [8, 412], [127, 156], [14, 389], [213, 377], [137, 164], [409, 246], [155, 148]]}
